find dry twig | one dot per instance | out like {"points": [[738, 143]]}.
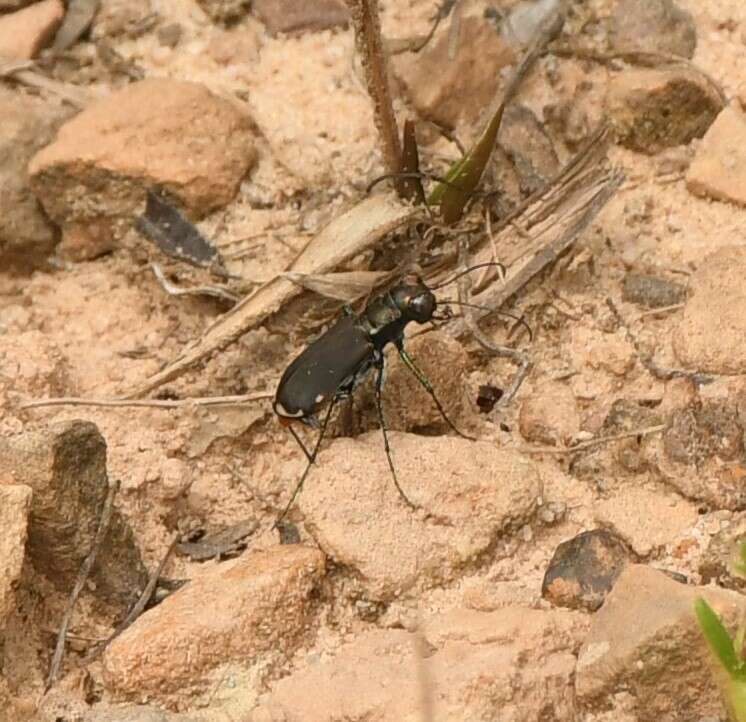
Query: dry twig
{"points": [[85, 570], [600, 441], [149, 403]]}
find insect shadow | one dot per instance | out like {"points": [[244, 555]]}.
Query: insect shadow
{"points": [[331, 368]]}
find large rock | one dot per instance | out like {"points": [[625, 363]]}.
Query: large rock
{"points": [[651, 110], [653, 26], [65, 465], [719, 167], [645, 645], [25, 32], [468, 494], [515, 664], [258, 604], [15, 502], [26, 235], [157, 133], [455, 92], [710, 334]]}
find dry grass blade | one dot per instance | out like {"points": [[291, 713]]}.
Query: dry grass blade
{"points": [[149, 403], [553, 219], [346, 286], [21, 72], [354, 232], [85, 570]]}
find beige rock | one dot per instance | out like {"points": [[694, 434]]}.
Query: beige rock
{"points": [[407, 406], [286, 16], [710, 336], [169, 134], [65, 465], [468, 494], [258, 604], [15, 502], [645, 641], [224, 11], [651, 110], [549, 415], [28, 123], [719, 167], [610, 352], [454, 93], [655, 26], [509, 666], [646, 520], [25, 32]]}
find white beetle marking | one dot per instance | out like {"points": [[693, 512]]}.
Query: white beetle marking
{"points": [[280, 410]]}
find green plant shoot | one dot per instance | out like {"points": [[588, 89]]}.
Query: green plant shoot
{"points": [[729, 653]]}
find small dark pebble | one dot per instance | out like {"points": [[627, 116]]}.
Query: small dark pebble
{"points": [[487, 396], [652, 292], [718, 563], [583, 570]]}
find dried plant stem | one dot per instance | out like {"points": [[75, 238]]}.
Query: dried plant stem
{"points": [[369, 45], [149, 403], [85, 570], [141, 603], [600, 441]]}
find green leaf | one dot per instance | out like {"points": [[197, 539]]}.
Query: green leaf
{"points": [[464, 175], [717, 637], [736, 698]]}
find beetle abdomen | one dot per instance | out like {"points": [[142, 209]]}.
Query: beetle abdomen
{"points": [[322, 369]]}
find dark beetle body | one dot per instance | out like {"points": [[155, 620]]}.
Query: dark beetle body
{"points": [[336, 362]]}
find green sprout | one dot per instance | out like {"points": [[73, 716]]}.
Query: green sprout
{"points": [[730, 654]]}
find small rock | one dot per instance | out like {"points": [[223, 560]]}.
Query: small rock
{"points": [[260, 603], [655, 109], [702, 454], [454, 93], [645, 642], [583, 570], [530, 149], [235, 46], [722, 554], [406, 404], [161, 133], [719, 167], [224, 11], [15, 502], [652, 26], [169, 35], [651, 291], [135, 713], [514, 664], [25, 32], [550, 415], [646, 520], [709, 336], [65, 465], [26, 235], [469, 493], [289, 16]]}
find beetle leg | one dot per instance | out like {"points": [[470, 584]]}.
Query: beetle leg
{"points": [[382, 421], [420, 376], [300, 442], [311, 461]]}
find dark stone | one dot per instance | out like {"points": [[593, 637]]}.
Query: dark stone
{"points": [[288, 16], [651, 292], [702, 431], [65, 465], [169, 35], [583, 570]]}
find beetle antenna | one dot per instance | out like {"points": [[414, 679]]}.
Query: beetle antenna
{"points": [[469, 270], [518, 319]]}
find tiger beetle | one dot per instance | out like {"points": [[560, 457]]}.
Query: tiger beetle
{"points": [[330, 368]]}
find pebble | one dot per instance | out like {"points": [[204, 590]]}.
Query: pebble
{"points": [[297, 16], [651, 291]]}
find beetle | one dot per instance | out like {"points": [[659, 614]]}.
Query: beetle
{"points": [[330, 368]]}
